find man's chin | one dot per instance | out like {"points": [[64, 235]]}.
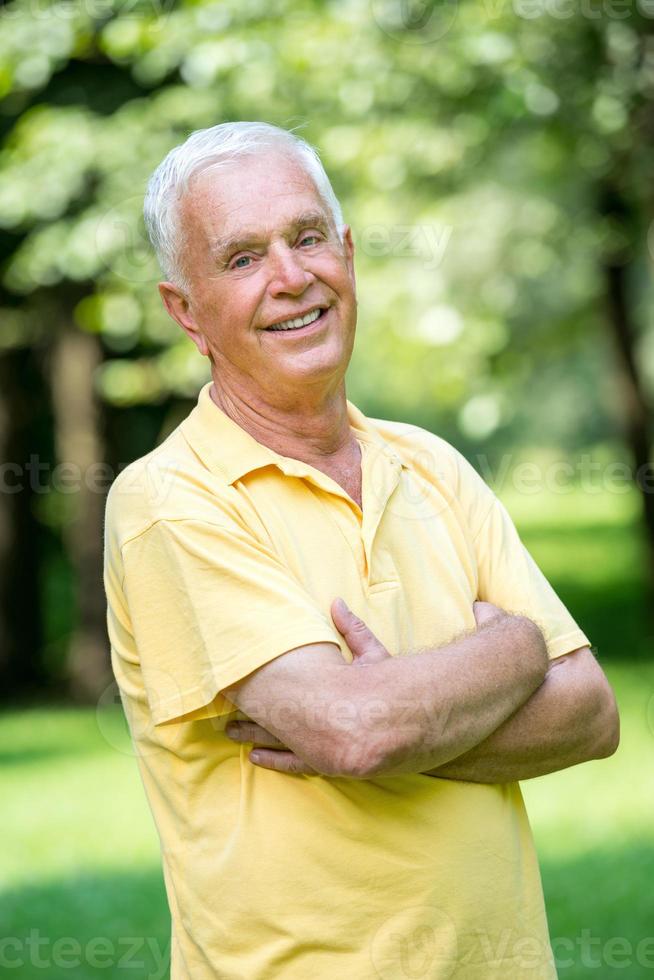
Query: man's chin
{"points": [[325, 370]]}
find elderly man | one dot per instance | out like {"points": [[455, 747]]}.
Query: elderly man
{"points": [[335, 655]]}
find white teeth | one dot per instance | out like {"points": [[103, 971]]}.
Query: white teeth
{"points": [[303, 321]]}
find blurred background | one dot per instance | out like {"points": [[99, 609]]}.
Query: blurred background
{"points": [[494, 159]]}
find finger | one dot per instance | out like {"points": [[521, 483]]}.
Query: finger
{"points": [[361, 640], [249, 731], [484, 612], [283, 761]]}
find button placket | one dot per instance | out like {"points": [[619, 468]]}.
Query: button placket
{"points": [[381, 472], [346, 517]]}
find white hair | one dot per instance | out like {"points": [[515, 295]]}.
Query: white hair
{"points": [[208, 148]]}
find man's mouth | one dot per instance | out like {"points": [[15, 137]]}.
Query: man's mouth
{"points": [[298, 322]]}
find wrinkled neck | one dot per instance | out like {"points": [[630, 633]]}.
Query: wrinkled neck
{"points": [[314, 432]]}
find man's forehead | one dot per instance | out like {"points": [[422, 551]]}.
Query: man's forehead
{"points": [[229, 204]]}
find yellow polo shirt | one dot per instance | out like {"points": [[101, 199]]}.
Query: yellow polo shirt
{"points": [[221, 555]]}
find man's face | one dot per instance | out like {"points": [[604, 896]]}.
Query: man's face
{"points": [[260, 250]]}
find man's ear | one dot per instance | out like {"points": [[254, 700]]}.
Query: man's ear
{"points": [[348, 248], [179, 308]]}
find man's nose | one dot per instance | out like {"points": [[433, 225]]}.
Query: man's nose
{"points": [[288, 271]]}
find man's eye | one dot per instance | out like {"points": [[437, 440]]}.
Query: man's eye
{"points": [[309, 239], [241, 262]]}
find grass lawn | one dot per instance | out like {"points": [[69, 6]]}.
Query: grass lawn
{"points": [[81, 889]]}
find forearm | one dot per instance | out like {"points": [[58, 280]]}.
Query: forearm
{"points": [[438, 705], [562, 724], [384, 715]]}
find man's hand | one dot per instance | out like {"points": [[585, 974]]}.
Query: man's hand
{"points": [[365, 647], [268, 752], [486, 612]]}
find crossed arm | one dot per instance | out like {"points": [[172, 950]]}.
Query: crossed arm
{"points": [[488, 707]]}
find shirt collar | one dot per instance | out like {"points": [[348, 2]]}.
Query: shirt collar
{"points": [[228, 450]]}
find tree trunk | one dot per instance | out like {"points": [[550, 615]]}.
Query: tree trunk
{"points": [[24, 437], [634, 402], [80, 448]]}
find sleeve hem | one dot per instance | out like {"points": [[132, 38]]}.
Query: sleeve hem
{"points": [[561, 645], [202, 695]]}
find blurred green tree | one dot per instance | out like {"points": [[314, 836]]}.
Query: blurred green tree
{"points": [[492, 158]]}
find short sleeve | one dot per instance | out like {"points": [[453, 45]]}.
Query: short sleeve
{"points": [[508, 576], [208, 605]]}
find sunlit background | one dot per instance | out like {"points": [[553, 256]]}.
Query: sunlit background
{"points": [[495, 161]]}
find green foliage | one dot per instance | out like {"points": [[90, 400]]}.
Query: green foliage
{"points": [[491, 161], [470, 148]]}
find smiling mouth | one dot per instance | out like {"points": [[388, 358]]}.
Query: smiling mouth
{"points": [[298, 323]]}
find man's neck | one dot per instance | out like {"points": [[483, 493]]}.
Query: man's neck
{"points": [[315, 432]]}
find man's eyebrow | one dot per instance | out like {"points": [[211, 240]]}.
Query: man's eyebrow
{"points": [[243, 239]]}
